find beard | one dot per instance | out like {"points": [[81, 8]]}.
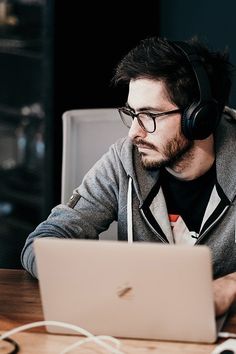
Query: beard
{"points": [[176, 152]]}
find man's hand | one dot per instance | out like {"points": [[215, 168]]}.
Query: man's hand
{"points": [[224, 289]]}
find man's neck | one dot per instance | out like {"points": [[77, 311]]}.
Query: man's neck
{"points": [[195, 162]]}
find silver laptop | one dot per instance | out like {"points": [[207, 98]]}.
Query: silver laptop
{"points": [[140, 290]]}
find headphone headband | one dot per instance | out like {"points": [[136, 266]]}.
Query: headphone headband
{"points": [[200, 119], [196, 61]]}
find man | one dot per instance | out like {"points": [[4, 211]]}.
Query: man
{"points": [[176, 168]]}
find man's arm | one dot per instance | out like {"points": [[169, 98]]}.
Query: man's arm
{"points": [[224, 293], [95, 208]]}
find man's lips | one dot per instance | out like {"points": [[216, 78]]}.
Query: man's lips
{"points": [[141, 147]]}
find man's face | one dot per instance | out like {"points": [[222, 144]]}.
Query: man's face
{"points": [[167, 145]]}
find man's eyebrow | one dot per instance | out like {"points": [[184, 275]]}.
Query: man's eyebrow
{"points": [[144, 109]]}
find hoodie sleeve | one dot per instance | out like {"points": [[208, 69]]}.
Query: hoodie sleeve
{"points": [[89, 212]]}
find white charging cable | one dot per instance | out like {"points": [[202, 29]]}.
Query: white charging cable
{"points": [[86, 340], [90, 337]]}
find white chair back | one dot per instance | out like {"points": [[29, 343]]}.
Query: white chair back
{"points": [[87, 135]]}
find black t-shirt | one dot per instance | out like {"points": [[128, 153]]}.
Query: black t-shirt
{"points": [[188, 199]]}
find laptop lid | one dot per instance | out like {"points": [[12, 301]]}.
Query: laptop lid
{"points": [[139, 290]]}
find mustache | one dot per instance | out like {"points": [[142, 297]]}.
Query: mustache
{"points": [[138, 141]]}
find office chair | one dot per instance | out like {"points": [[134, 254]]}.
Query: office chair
{"points": [[87, 135]]}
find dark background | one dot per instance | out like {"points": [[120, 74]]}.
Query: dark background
{"points": [[212, 21]]}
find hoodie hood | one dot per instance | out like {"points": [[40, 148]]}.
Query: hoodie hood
{"points": [[225, 148]]}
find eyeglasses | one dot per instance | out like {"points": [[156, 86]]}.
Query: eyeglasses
{"points": [[146, 120]]}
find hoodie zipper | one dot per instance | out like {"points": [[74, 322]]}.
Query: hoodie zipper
{"points": [[152, 228], [210, 226]]}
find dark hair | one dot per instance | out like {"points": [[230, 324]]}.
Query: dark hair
{"points": [[157, 59]]}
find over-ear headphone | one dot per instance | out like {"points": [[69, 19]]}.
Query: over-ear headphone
{"points": [[200, 119]]}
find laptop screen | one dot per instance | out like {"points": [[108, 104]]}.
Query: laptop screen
{"points": [[139, 290]]}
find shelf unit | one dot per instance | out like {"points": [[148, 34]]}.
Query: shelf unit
{"points": [[24, 113]]}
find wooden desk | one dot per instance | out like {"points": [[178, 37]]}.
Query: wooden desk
{"points": [[20, 304]]}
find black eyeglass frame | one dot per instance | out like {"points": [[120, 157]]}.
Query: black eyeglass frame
{"points": [[149, 114]]}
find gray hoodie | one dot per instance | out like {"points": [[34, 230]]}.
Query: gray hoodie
{"points": [[102, 198]]}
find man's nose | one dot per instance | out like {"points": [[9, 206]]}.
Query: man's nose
{"points": [[136, 130]]}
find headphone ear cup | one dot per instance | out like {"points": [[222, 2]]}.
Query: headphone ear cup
{"points": [[199, 120], [186, 122]]}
